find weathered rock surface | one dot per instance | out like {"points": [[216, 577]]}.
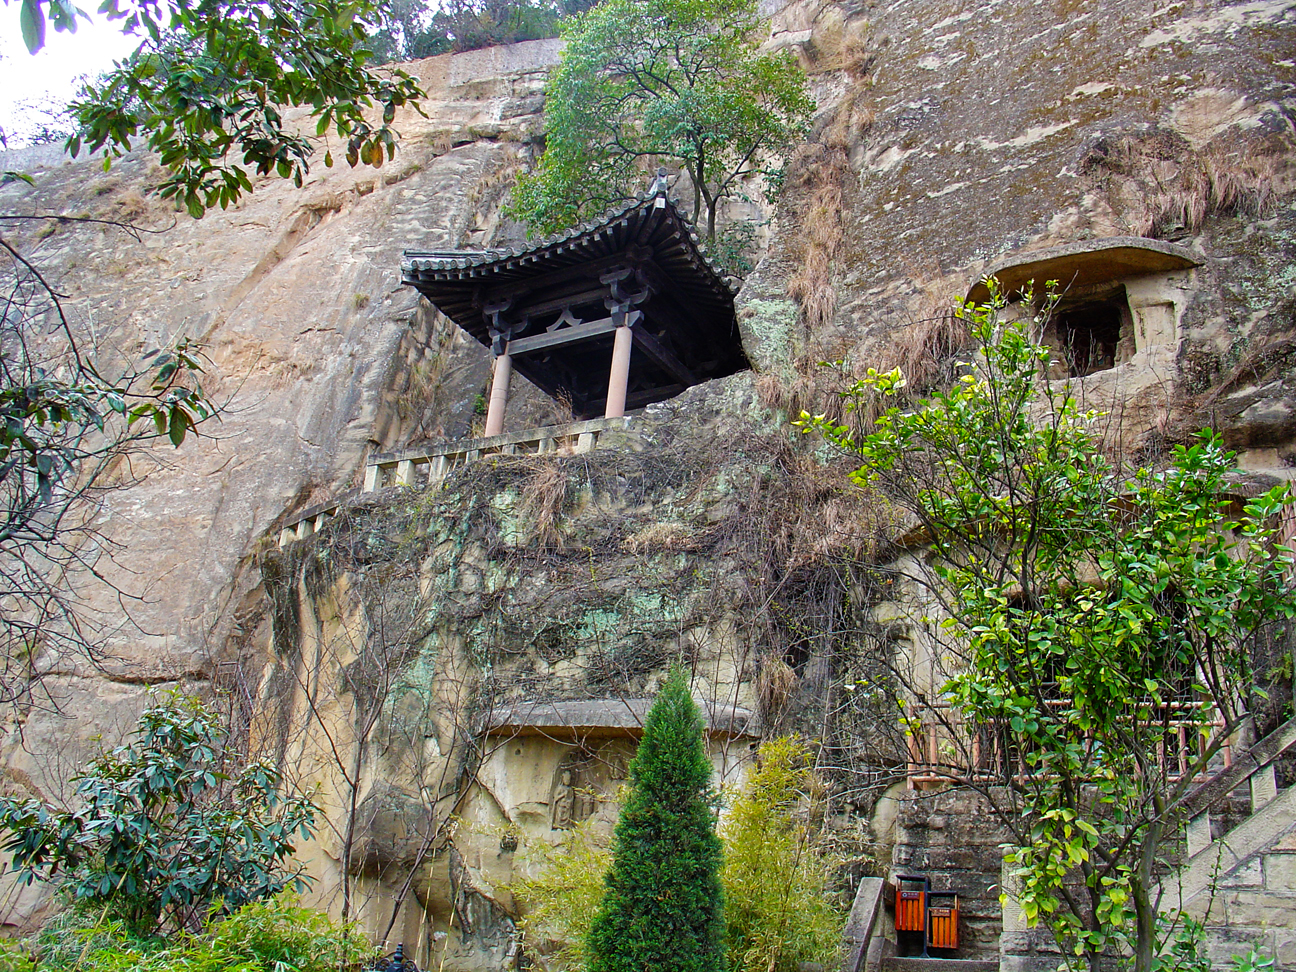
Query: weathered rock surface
{"points": [[951, 133]]}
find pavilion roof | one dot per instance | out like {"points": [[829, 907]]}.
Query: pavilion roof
{"points": [[690, 309]]}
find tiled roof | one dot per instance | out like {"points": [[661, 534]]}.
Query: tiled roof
{"points": [[469, 264]]}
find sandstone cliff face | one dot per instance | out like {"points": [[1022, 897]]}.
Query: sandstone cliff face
{"points": [[951, 133], [318, 351]]}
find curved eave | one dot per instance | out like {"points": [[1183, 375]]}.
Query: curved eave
{"points": [[1075, 265], [449, 279]]}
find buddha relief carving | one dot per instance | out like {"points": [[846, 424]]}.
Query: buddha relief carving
{"points": [[576, 792]]}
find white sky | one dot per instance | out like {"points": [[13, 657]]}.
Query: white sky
{"points": [[52, 73]]}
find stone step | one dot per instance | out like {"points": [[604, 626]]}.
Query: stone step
{"points": [[895, 963]]}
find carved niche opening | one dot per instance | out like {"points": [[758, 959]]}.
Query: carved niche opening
{"points": [[1093, 332], [584, 781], [1121, 296]]}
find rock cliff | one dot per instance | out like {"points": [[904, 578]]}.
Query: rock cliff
{"points": [[952, 136]]}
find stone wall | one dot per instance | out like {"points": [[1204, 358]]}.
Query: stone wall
{"points": [[950, 837]]}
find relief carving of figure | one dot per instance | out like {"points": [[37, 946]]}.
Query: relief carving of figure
{"points": [[563, 807]]}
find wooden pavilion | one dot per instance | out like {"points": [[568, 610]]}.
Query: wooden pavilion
{"points": [[612, 315]]}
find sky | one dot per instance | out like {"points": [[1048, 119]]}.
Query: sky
{"points": [[51, 75]]}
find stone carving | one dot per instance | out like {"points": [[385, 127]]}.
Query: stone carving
{"points": [[577, 791], [563, 805]]}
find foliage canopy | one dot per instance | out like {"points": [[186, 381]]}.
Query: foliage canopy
{"points": [[649, 82], [664, 906], [466, 25], [168, 833], [1096, 614], [208, 88]]}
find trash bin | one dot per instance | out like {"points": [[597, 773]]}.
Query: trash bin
{"points": [[943, 910], [911, 904]]}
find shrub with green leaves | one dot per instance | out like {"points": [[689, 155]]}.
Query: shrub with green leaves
{"points": [[563, 897], [777, 907], [273, 935], [664, 907], [1100, 617], [169, 831]]}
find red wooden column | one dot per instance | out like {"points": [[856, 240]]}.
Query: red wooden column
{"points": [[619, 378], [503, 369]]}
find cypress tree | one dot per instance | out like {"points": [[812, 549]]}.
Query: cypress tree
{"points": [[664, 908]]}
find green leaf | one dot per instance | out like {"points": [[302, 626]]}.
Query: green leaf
{"points": [[31, 19]]}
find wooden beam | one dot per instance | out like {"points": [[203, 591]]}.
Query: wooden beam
{"points": [[570, 300], [568, 335], [636, 399], [663, 357]]}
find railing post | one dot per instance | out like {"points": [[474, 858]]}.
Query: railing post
{"points": [[1199, 833], [373, 476], [1264, 786], [405, 472]]}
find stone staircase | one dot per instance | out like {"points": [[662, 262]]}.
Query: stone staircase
{"points": [[1241, 880], [867, 949]]}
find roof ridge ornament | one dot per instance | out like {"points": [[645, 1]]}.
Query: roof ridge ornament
{"points": [[659, 188]]}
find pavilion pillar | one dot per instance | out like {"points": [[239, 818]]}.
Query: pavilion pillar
{"points": [[498, 394], [619, 379]]}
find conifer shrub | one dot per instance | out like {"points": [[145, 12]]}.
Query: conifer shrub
{"points": [[663, 908]]}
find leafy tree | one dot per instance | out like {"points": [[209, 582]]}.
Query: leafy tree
{"points": [[210, 82], [648, 82], [168, 831], [1095, 615], [410, 31], [664, 907]]}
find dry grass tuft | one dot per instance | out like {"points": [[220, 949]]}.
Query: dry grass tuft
{"points": [[659, 536], [775, 684], [820, 171], [1167, 189], [543, 498]]}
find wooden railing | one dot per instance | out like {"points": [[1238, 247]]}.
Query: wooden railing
{"points": [[430, 465], [945, 748]]}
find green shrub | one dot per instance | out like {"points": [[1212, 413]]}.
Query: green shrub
{"points": [[15, 957], [777, 908], [169, 829], [274, 935], [564, 896]]}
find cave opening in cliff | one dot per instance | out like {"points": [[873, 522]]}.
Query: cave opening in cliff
{"points": [[1094, 334]]}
